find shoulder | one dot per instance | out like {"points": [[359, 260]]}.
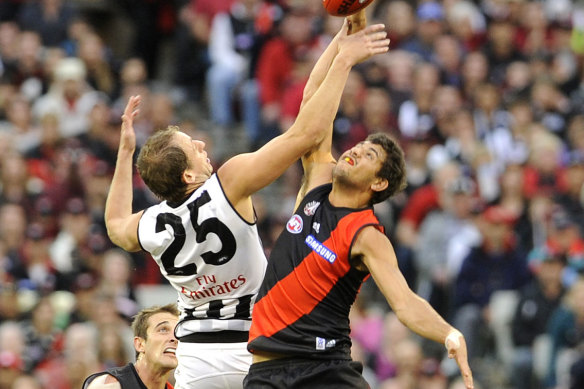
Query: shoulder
{"points": [[104, 381], [319, 191], [370, 236], [368, 240]]}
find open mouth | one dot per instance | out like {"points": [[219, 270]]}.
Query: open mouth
{"points": [[349, 160], [170, 350]]}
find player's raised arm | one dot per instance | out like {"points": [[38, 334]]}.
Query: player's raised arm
{"points": [[313, 123], [318, 162], [122, 225], [351, 24]]}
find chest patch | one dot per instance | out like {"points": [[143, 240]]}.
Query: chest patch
{"points": [[310, 208], [295, 224]]}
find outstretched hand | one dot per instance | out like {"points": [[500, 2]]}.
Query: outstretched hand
{"points": [[128, 136], [361, 45], [456, 347]]}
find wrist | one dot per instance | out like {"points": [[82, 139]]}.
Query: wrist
{"points": [[125, 153], [453, 338], [343, 61]]}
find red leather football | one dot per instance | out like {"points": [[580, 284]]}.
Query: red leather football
{"points": [[344, 7]]}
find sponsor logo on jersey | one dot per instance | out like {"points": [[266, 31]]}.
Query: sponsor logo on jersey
{"points": [[310, 208], [320, 343], [294, 225], [316, 227], [320, 249], [209, 288]]}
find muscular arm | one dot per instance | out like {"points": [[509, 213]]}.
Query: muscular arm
{"points": [[378, 256], [353, 24], [122, 225], [318, 162], [316, 78], [311, 127]]}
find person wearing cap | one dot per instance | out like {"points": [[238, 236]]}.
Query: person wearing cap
{"points": [[430, 17], [203, 235], [155, 346], [69, 97], [563, 239]]}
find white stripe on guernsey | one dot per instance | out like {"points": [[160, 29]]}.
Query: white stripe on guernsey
{"points": [[210, 325]]}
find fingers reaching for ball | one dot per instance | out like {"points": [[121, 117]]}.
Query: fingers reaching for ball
{"points": [[362, 45]]}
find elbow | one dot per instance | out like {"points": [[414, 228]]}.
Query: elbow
{"points": [[407, 308], [401, 312], [409, 320], [126, 244], [113, 237]]}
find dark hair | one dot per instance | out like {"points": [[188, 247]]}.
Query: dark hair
{"points": [[140, 322], [161, 164], [393, 168]]}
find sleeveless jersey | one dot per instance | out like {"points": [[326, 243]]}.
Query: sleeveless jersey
{"points": [[303, 305], [127, 376], [210, 255]]}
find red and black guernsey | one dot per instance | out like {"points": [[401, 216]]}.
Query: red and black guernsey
{"points": [[302, 308]]}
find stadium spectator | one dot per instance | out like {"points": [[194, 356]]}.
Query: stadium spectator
{"points": [[537, 301], [50, 18], [496, 264]]}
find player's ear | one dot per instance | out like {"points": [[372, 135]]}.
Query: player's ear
{"points": [[379, 184], [188, 176], [139, 344]]}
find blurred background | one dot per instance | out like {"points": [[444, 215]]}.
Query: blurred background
{"points": [[486, 98]]}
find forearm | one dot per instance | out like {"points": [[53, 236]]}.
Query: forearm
{"points": [[119, 199], [422, 319], [320, 71], [320, 110], [322, 66]]}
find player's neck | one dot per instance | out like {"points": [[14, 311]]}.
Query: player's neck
{"points": [[151, 377], [342, 196]]}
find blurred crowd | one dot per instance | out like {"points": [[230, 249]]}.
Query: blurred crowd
{"points": [[486, 98]]}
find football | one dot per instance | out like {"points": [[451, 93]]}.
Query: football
{"points": [[344, 7]]}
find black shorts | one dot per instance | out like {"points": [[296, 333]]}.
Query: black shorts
{"points": [[297, 373]]}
